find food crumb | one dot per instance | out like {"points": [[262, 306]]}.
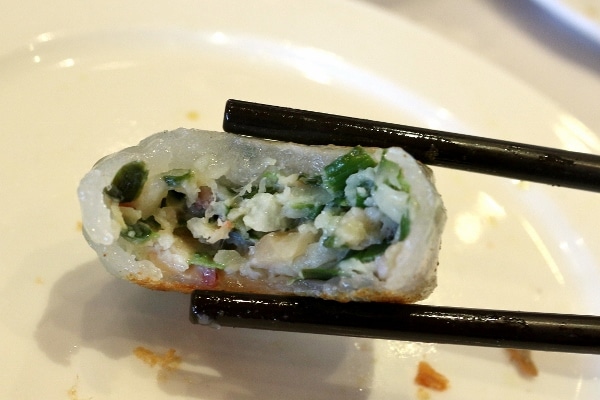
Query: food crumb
{"points": [[73, 391], [79, 226], [192, 115], [423, 394], [430, 378], [167, 362], [523, 361], [38, 280]]}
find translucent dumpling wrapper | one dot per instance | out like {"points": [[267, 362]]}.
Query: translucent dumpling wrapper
{"points": [[191, 209]]}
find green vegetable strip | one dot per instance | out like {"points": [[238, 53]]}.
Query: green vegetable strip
{"points": [[128, 182], [369, 254], [321, 274], [404, 226], [205, 261], [336, 173]]}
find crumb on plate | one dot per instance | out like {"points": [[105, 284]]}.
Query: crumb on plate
{"points": [[168, 361], [430, 378], [73, 391], [523, 361]]}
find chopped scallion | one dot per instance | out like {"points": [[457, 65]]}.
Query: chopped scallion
{"points": [[404, 226], [329, 242], [392, 175], [336, 173], [138, 232], [369, 254], [128, 182], [320, 273]]}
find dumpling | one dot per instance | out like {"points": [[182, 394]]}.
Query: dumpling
{"points": [[191, 209]]}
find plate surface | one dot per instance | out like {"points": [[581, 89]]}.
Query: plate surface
{"points": [[581, 15], [83, 79]]}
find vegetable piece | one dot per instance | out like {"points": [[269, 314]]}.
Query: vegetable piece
{"points": [[404, 226], [329, 242], [359, 187], [268, 182], [362, 193], [336, 173], [320, 273], [138, 232], [128, 182], [205, 260], [308, 210], [391, 174], [369, 254], [176, 177]]}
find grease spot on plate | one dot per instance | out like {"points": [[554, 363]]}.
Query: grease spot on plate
{"points": [[192, 115]]}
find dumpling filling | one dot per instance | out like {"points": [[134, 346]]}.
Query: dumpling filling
{"points": [[332, 225]]}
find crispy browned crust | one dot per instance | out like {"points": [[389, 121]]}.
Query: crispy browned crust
{"points": [[240, 284], [366, 294]]}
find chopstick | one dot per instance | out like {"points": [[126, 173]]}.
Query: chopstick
{"points": [[453, 150], [406, 322], [409, 322]]}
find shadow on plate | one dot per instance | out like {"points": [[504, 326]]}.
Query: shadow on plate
{"points": [[551, 32], [89, 309]]}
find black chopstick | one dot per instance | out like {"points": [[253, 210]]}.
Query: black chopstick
{"points": [[406, 322], [469, 153]]}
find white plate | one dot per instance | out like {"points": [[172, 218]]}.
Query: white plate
{"points": [[82, 79], [581, 15]]}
